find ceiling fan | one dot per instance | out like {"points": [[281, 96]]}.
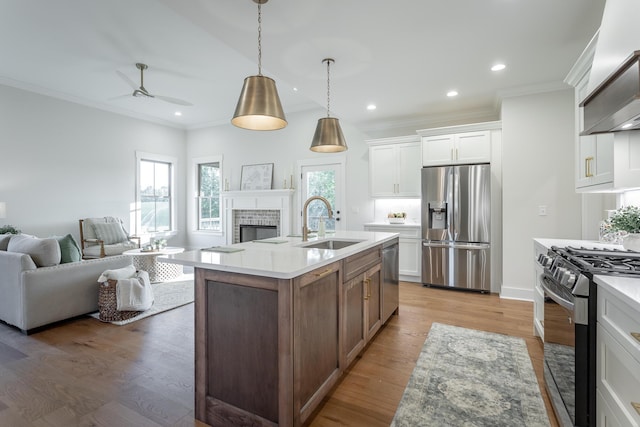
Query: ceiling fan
{"points": [[143, 92]]}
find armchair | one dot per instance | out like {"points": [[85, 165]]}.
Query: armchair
{"points": [[106, 236]]}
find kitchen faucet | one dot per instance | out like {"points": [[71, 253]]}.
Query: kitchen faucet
{"points": [[305, 229]]}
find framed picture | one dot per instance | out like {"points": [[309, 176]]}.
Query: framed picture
{"points": [[256, 177]]}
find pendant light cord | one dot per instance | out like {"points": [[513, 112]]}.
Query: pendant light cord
{"points": [[328, 87], [259, 39]]}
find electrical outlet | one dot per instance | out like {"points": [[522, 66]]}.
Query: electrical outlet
{"points": [[542, 210]]}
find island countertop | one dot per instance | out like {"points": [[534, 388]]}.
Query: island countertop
{"points": [[279, 257]]}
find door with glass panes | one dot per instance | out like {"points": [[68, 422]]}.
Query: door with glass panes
{"points": [[326, 180]]}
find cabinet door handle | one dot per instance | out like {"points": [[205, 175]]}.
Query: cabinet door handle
{"points": [[636, 406], [636, 335], [452, 156], [456, 154], [587, 167], [323, 273], [367, 292]]}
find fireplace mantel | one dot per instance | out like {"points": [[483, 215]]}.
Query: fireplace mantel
{"points": [[280, 200]]}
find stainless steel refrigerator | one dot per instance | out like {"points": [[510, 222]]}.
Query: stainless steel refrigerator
{"points": [[456, 226]]}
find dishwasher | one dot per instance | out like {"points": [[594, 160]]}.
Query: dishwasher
{"points": [[390, 279]]}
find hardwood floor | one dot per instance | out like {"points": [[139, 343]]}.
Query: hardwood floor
{"points": [[87, 373]]}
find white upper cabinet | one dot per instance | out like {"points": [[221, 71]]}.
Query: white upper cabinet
{"points": [[458, 144], [607, 161], [461, 148], [394, 167]]}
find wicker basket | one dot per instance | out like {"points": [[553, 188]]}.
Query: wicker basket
{"points": [[108, 305]]}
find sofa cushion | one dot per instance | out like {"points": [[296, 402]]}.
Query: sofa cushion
{"points": [[44, 252], [109, 232], [4, 241], [69, 249]]}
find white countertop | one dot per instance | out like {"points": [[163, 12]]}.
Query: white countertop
{"points": [[280, 260], [563, 243], [625, 288]]}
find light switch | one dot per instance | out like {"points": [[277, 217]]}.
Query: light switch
{"points": [[542, 210]]}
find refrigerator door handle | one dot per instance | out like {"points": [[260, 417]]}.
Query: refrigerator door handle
{"points": [[471, 246]]}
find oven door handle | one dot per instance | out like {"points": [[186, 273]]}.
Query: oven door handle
{"points": [[554, 296]]}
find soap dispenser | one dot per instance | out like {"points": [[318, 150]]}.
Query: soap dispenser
{"points": [[321, 230]]}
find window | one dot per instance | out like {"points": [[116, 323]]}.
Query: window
{"points": [[155, 194], [208, 198]]}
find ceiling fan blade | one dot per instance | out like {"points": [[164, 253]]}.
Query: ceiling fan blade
{"points": [[174, 100], [119, 97], [126, 78]]}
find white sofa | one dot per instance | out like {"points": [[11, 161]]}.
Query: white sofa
{"points": [[40, 292]]}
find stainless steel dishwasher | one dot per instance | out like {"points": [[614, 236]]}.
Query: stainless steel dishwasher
{"points": [[390, 279]]}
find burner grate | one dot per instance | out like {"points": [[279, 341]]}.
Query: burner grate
{"points": [[603, 261]]}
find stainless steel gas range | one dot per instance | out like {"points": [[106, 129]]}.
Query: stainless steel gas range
{"points": [[570, 311]]}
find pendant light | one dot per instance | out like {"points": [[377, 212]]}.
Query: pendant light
{"points": [[259, 106], [328, 137]]}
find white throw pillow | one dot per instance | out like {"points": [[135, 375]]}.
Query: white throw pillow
{"points": [[110, 232], [44, 252]]}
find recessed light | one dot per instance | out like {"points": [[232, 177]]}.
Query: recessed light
{"points": [[498, 67], [452, 93], [295, 89], [371, 107], [178, 113], [627, 125]]}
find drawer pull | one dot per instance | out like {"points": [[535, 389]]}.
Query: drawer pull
{"points": [[324, 273], [636, 335], [636, 406]]}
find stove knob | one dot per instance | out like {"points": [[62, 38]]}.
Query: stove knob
{"points": [[559, 273], [564, 277], [572, 279]]}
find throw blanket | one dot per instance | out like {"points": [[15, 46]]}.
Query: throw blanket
{"points": [[134, 294]]}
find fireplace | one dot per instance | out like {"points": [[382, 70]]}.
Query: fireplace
{"points": [[257, 232], [254, 224]]}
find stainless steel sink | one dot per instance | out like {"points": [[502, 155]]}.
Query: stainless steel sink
{"points": [[333, 244]]}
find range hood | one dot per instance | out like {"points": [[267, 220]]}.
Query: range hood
{"points": [[615, 104]]}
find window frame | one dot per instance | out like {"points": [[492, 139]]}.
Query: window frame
{"points": [[173, 193], [195, 196]]}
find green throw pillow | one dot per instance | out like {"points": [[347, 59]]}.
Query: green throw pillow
{"points": [[69, 249], [109, 232]]}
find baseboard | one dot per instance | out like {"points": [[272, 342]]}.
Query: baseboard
{"points": [[414, 279], [516, 293]]}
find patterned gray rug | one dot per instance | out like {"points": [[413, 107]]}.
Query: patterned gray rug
{"points": [[469, 378]]}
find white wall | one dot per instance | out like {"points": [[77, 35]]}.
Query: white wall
{"points": [[537, 170], [62, 161], [283, 148]]}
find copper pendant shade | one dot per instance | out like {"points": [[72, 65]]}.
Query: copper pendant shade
{"points": [[328, 137], [259, 106]]}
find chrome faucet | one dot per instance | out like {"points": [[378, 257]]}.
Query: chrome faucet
{"points": [[305, 229]]}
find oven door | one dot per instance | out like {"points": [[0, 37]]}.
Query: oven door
{"points": [[560, 351]]}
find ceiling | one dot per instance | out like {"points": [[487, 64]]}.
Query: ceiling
{"points": [[404, 56]]}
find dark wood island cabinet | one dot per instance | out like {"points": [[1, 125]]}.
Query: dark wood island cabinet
{"points": [[269, 349]]}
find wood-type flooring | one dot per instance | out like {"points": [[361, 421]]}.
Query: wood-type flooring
{"points": [[87, 373]]}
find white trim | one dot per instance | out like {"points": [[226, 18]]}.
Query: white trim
{"points": [[393, 140], [192, 209], [141, 155], [326, 159], [516, 293], [473, 127]]}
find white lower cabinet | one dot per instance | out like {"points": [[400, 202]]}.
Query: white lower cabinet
{"points": [[538, 293], [410, 244], [618, 362]]}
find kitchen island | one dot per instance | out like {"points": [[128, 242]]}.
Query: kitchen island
{"points": [[277, 322]]}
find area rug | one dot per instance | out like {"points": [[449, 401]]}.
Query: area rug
{"points": [[469, 378], [166, 296]]}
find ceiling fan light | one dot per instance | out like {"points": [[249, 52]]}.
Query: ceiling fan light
{"points": [[259, 106], [328, 137]]}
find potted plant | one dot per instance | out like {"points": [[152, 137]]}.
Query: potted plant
{"points": [[626, 221], [9, 229]]}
